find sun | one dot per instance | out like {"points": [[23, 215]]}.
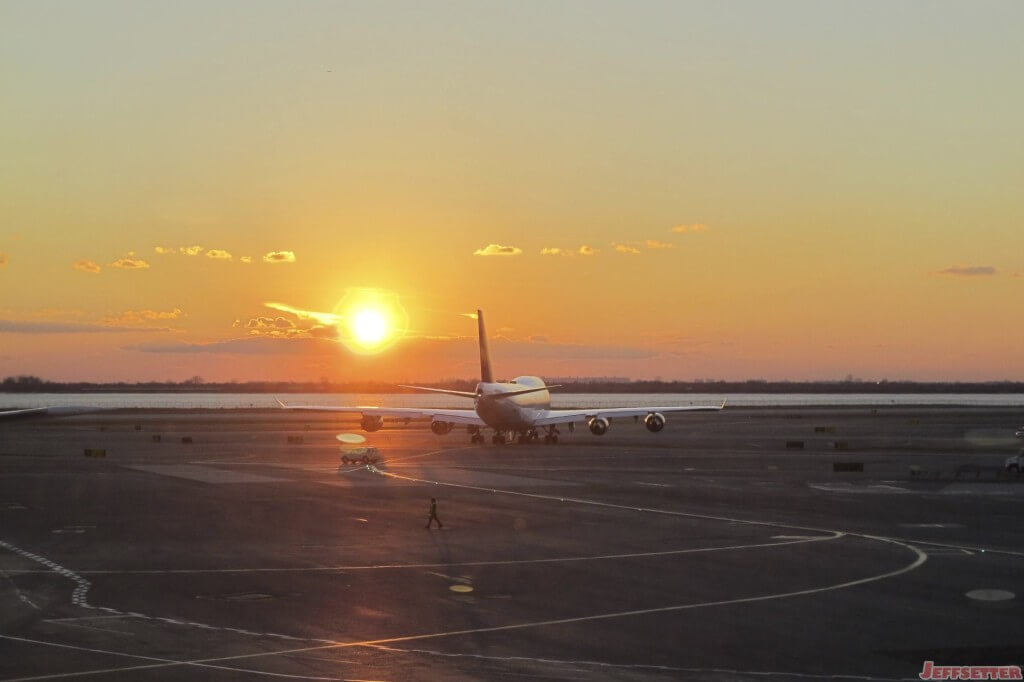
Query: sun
{"points": [[369, 327], [370, 320]]}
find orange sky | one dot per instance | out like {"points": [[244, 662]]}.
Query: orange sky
{"points": [[798, 190]]}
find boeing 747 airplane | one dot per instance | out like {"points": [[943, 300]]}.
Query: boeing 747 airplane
{"points": [[520, 407]]}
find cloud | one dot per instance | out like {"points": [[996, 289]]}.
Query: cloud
{"points": [[190, 250], [627, 249], [695, 227], [654, 244], [551, 251], [283, 328], [137, 317], [586, 250], [279, 257], [218, 254], [968, 271], [130, 262], [246, 259], [86, 266], [498, 250], [270, 323], [3, 259], [323, 318], [21, 327], [165, 249]]}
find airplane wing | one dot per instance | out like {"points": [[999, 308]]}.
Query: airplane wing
{"points": [[549, 417], [453, 416]]}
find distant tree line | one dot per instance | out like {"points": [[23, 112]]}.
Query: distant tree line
{"points": [[196, 384]]}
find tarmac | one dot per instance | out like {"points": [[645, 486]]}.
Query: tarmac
{"points": [[730, 546]]}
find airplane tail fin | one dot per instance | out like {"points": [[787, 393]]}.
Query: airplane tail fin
{"points": [[486, 376]]}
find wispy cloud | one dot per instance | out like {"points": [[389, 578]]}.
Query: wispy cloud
{"points": [[279, 257], [22, 327], [218, 254], [190, 250], [323, 318], [3, 259], [137, 317], [654, 244], [270, 323], [498, 250], [968, 271], [165, 249], [552, 251], [586, 250], [130, 262], [86, 266], [694, 227], [627, 249], [246, 259]]}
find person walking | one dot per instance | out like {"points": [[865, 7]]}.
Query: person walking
{"points": [[433, 514]]}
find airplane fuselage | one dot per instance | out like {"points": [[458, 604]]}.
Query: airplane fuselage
{"points": [[515, 413]]}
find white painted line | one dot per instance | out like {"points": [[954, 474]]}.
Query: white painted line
{"points": [[21, 595], [640, 666], [160, 663], [78, 596], [789, 540], [656, 485], [920, 559], [931, 525]]}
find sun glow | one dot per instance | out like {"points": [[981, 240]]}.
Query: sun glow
{"points": [[370, 320]]}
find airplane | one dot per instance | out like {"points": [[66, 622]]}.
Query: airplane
{"points": [[520, 407]]}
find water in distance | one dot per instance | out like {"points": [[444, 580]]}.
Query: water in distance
{"points": [[558, 400]]}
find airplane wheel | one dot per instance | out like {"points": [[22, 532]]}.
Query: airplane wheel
{"points": [[344, 459], [366, 459], [547, 440], [554, 439]]}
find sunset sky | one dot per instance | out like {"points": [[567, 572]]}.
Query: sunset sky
{"points": [[779, 190]]}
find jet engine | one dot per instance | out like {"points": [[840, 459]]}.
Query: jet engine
{"points": [[654, 422], [440, 428], [372, 422], [598, 426]]}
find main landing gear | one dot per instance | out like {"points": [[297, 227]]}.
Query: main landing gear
{"points": [[476, 436]]}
